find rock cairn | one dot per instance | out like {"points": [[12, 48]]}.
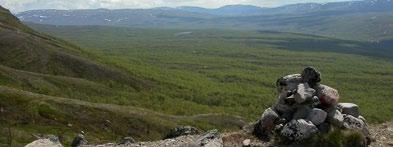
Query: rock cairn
{"points": [[305, 108]]}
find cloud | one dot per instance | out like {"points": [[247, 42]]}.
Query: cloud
{"points": [[23, 5]]}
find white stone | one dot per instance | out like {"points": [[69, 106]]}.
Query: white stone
{"points": [[44, 143], [246, 142]]}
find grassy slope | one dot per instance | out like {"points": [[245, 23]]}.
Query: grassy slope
{"points": [[235, 71], [34, 114], [39, 74]]}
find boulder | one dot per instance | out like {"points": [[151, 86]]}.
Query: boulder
{"points": [[328, 96], [297, 130], [127, 140], [311, 76], [288, 83], [335, 118], [351, 122], [269, 119], [181, 131], [79, 140], [210, 139], [303, 93], [264, 127], [317, 116], [349, 108], [44, 143]]}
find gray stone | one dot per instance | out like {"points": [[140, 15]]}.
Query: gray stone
{"points": [[269, 119], [303, 93], [210, 139], [181, 131], [302, 112], [317, 116], [298, 130], [263, 129], [288, 83], [351, 122], [349, 108], [335, 118], [127, 140], [363, 119], [311, 76], [44, 143]]}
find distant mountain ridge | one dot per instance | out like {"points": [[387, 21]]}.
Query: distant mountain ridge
{"points": [[368, 20], [246, 10]]}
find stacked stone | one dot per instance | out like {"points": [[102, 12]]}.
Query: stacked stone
{"points": [[306, 107]]}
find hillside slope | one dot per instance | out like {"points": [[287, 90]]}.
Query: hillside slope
{"points": [[49, 86], [25, 49]]}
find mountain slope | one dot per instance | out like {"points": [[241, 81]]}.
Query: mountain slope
{"points": [[35, 52], [50, 86]]}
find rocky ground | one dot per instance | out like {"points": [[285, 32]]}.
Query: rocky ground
{"points": [[382, 133]]}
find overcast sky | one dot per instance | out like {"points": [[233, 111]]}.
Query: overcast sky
{"points": [[23, 5]]}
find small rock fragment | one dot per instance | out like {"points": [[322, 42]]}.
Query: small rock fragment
{"points": [[246, 143]]}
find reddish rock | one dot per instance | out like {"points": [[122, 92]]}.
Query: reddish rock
{"points": [[327, 96]]}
